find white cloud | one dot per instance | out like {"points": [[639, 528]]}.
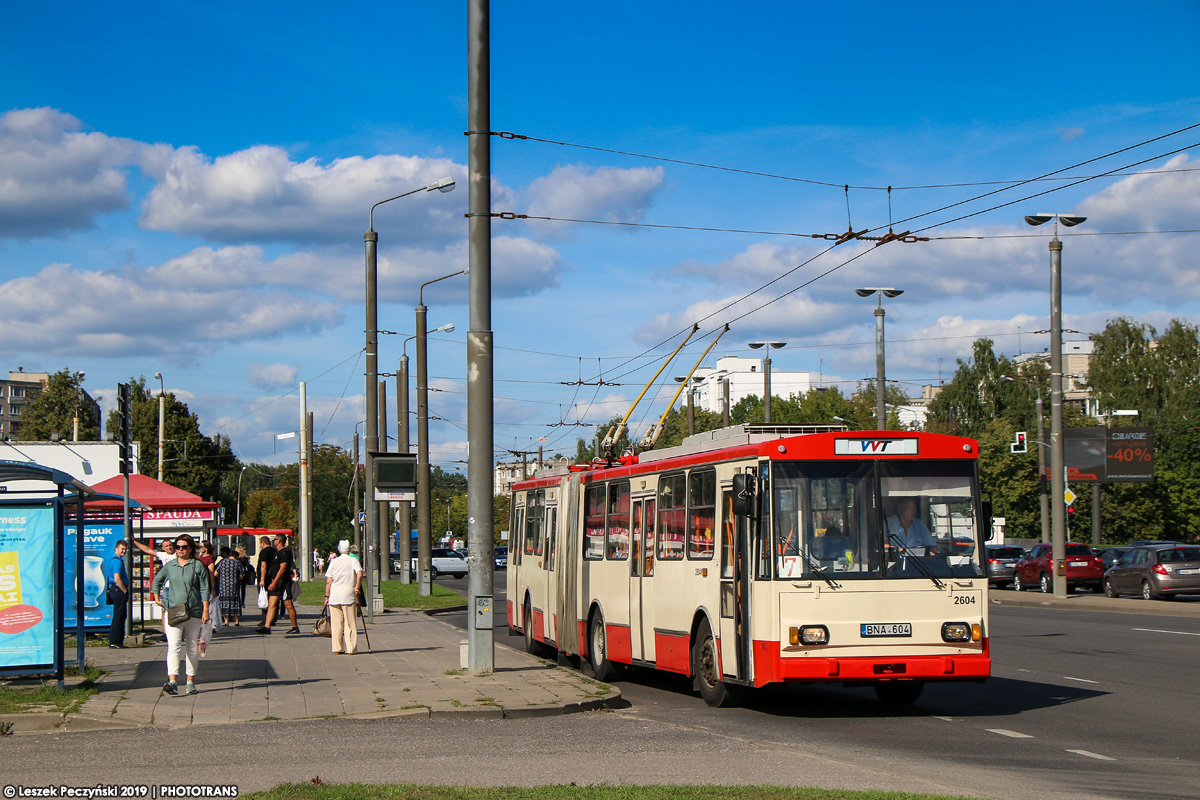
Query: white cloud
{"points": [[1148, 201], [54, 178], [131, 312], [272, 376], [260, 194], [605, 193]]}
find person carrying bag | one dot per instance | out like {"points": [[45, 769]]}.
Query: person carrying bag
{"points": [[190, 591]]}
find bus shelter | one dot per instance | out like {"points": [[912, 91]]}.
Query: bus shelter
{"points": [[33, 593]]}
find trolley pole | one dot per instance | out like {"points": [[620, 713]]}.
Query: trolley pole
{"points": [[480, 465]]}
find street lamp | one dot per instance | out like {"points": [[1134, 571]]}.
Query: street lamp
{"points": [[1058, 537], [880, 409], [371, 507], [162, 414], [424, 524], [767, 375]]}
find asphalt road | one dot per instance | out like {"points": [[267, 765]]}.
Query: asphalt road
{"points": [[1082, 705]]}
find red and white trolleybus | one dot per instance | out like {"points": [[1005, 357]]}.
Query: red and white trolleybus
{"points": [[760, 554]]}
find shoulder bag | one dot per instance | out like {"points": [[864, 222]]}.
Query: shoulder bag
{"points": [[177, 615], [322, 626]]}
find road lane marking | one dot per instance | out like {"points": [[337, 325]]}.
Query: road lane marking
{"points": [[1081, 680], [1010, 734], [1156, 630], [1090, 754], [945, 719]]}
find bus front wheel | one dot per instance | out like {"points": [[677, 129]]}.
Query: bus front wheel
{"points": [[706, 671]]}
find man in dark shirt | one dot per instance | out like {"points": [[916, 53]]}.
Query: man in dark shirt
{"points": [[279, 586], [266, 557]]}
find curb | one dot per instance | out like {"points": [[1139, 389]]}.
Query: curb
{"points": [[1098, 603]]}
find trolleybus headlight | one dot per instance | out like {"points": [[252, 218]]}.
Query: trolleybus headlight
{"points": [[809, 635], [956, 632]]}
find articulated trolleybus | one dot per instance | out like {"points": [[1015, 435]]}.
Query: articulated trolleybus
{"points": [[757, 555]]}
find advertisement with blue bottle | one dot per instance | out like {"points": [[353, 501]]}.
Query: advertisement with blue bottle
{"points": [[98, 544], [26, 586]]}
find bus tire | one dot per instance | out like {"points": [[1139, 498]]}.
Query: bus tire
{"points": [[706, 671], [899, 693], [602, 668]]}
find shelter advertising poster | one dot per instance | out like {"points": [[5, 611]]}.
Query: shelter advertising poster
{"points": [[26, 586], [98, 543]]}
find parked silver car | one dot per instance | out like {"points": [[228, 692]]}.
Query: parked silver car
{"points": [[1159, 572], [1001, 563]]}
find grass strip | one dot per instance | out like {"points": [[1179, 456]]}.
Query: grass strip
{"points": [[395, 595], [47, 696], [358, 791]]}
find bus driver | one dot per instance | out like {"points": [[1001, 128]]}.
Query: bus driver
{"points": [[904, 529]]}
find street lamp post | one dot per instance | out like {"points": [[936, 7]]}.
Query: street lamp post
{"points": [[371, 507], [767, 375], [1058, 538], [239, 497], [880, 390], [424, 532], [162, 414], [402, 427]]}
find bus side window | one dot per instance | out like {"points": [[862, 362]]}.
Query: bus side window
{"points": [[702, 509], [518, 525], [617, 538], [648, 547], [593, 523], [671, 517], [727, 534]]}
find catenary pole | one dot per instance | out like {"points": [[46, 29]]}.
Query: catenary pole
{"points": [[480, 464]]}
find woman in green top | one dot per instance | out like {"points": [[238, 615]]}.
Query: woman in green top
{"points": [[188, 584]]}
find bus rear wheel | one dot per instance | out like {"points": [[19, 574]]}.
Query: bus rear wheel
{"points": [[899, 693], [706, 671], [602, 668]]}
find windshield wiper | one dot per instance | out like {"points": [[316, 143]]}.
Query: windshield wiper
{"points": [[813, 566], [917, 563]]}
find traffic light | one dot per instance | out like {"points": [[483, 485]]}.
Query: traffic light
{"points": [[125, 426]]}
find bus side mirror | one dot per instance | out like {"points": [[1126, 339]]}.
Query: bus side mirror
{"points": [[986, 506], [743, 494]]}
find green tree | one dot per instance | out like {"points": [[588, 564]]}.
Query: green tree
{"points": [[191, 461], [56, 408]]}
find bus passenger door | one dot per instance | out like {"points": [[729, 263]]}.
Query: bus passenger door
{"points": [[735, 585], [641, 585], [551, 608]]}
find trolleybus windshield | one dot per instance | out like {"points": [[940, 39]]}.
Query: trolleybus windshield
{"points": [[892, 520]]}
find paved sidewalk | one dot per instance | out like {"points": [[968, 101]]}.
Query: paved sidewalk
{"points": [[412, 671]]}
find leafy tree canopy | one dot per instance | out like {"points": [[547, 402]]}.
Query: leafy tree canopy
{"points": [[55, 410]]}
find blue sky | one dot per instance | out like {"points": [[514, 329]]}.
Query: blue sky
{"points": [[184, 188]]}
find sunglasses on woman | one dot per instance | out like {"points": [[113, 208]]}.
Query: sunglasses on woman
{"points": [[183, 547]]}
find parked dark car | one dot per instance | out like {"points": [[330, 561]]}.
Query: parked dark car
{"points": [[1083, 568], [1151, 542], [1156, 572], [1111, 555], [500, 555], [1001, 563]]}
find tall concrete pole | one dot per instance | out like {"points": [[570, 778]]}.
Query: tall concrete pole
{"points": [[480, 414], [1058, 483], [767, 387], [424, 534], [370, 507], [357, 499], [384, 544], [402, 446], [880, 383], [302, 550], [1043, 497]]}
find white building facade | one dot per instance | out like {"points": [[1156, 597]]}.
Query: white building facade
{"points": [[746, 379]]}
